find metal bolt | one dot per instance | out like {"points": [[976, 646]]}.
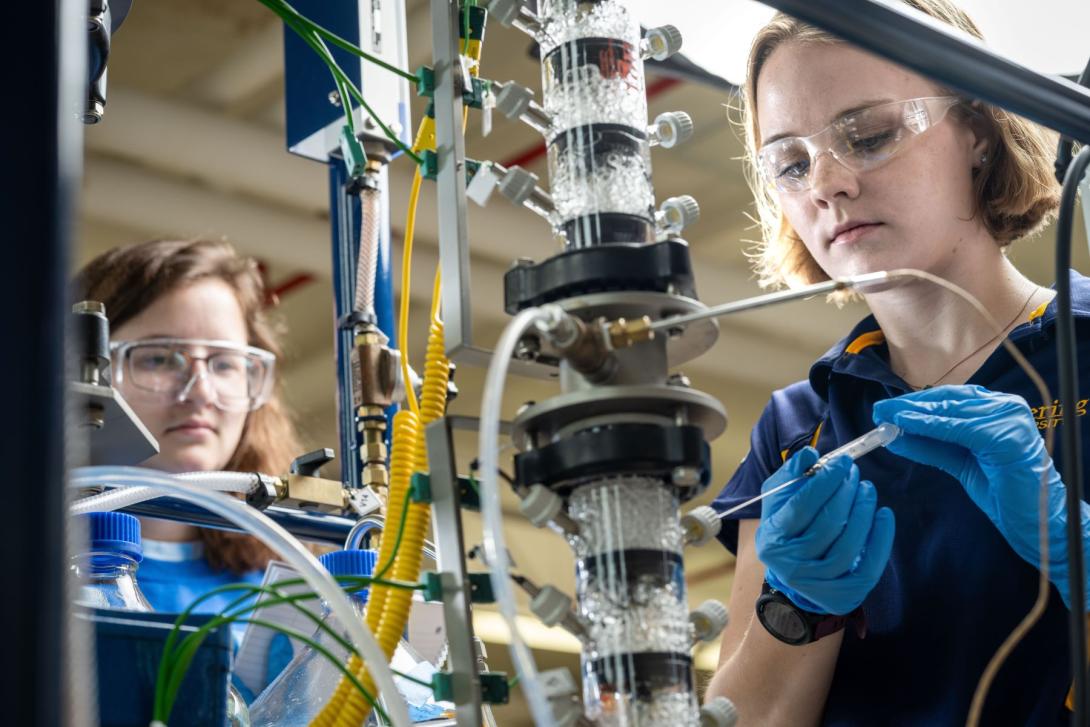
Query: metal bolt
{"points": [[89, 306], [527, 349], [95, 416], [679, 379], [685, 476]]}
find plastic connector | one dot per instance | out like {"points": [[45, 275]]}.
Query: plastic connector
{"points": [[355, 159], [551, 605], [512, 99], [700, 525], [425, 81], [420, 487], [517, 184], [541, 505], [480, 588], [708, 620], [718, 712], [672, 128], [495, 688], [433, 587], [662, 42], [563, 695], [679, 212]]}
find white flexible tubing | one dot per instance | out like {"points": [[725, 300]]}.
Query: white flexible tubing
{"points": [[258, 524], [492, 514], [112, 500], [367, 263], [132, 494]]}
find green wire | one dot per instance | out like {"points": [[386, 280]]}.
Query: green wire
{"points": [[169, 663], [397, 541], [414, 680], [318, 46], [342, 43]]}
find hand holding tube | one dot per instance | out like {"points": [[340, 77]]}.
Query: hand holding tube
{"points": [[825, 542], [989, 442]]}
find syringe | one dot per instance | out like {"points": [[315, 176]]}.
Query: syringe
{"points": [[880, 436]]}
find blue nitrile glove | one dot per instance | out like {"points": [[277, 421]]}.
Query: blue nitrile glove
{"points": [[989, 442], [823, 540]]}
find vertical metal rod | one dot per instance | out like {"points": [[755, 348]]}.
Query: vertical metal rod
{"points": [[344, 221], [446, 507], [451, 182]]}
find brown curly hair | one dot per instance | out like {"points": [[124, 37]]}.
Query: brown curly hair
{"points": [[128, 279], [1016, 191]]}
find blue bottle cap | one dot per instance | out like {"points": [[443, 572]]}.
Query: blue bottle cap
{"points": [[349, 562], [116, 532]]}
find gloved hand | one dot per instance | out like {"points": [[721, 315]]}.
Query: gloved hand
{"points": [[823, 540], [989, 442]]}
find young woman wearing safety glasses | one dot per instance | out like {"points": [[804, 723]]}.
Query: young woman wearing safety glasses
{"points": [[877, 592], [194, 354]]}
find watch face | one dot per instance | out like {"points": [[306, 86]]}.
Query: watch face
{"points": [[785, 622]]}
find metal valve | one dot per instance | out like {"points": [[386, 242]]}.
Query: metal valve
{"points": [[718, 712], [672, 128], [708, 619], [700, 525], [677, 213], [662, 42]]}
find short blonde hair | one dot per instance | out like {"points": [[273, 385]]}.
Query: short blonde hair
{"points": [[1016, 191]]}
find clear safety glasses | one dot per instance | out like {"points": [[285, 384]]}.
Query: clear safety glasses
{"points": [[239, 377], [861, 140]]}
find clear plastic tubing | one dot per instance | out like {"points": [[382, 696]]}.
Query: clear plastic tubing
{"points": [[495, 547], [880, 436], [594, 90], [274, 536]]}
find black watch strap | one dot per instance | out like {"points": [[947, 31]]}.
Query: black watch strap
{"points": [[796, 626]]}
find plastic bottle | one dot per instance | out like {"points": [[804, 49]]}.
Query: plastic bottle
{"points": [[307, 682], [107, 570], [107, 579]]}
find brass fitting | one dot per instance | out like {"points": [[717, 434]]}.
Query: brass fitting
{"points": [[588, 346], [374, 371], [375, 473], [311, 493], [623, 333]]}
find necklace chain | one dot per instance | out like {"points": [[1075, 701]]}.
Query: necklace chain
{"points": [[983, 345]]}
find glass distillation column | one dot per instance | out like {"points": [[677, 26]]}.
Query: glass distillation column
{"points": [[625, 446]]}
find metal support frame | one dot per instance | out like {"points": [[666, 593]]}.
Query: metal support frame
{"points": [[927, 46], [451, 197], [451, 565], [312, 526]]}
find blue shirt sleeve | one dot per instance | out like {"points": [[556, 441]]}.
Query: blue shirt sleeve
{"points": [[762, 460]]}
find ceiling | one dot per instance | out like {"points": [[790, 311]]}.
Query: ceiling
{"points": [[193, 143]]}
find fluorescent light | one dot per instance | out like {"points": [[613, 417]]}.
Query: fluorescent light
{"points": [[1047, 36], [490, 627]]}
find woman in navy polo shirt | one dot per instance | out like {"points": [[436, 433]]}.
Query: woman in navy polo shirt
{"points": [[860, 165]]}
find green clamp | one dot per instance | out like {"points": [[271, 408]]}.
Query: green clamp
{"points": [[420, 487], [480, 588], [433, 586], [494, 687], [474, 95], [429, 166], [468, 494], [477, 17], [425, 81], [355, 159]]}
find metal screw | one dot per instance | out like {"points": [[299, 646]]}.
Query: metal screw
{"points": [[679, 379], [527, 349], [89, 306], [335, 98], [685, 476]]}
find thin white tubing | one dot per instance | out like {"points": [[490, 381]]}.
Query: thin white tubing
{"points": [[367, 263], [494, 546], [258, 524]]}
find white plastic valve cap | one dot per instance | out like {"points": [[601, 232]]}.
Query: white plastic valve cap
{"points": [[673, 128], [513, 99], [518, 184], [663, 41], [551, 605], [708, 619], [680, 212], [557, 682], [541, 505], [701, 524], [719, 712], [504, 11]]}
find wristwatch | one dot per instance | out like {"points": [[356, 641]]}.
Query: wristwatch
{"points": [[793, 625]]}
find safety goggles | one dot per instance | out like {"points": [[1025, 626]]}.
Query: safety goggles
{"points": [[239, 377], [861, 141]]}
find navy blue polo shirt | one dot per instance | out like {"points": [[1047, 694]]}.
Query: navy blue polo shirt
{"points": [[953, 589]]}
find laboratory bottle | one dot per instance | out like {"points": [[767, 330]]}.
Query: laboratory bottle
{"points": [[308, 681], [106, 576], [106, 571]]}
